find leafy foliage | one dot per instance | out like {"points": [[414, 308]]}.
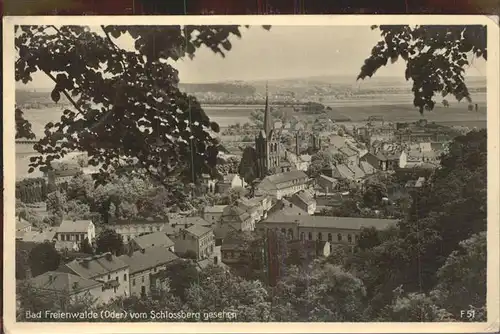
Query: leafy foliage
{"points": [[31, 190], [319, 293], [109, 241], [181, 274], [126, 105], [462, 279], [217, 290], [435, 56], [86, 247], [248, 168], [42, 258]]}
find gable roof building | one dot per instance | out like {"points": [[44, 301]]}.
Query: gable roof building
{"points": [[286, 207], [284, 184], [147, 259], [343, 223], [95, 267], [198, 230], [156, 239], [64, 283]]}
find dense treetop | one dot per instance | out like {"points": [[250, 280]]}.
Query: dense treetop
{"points": [[435, 56]]}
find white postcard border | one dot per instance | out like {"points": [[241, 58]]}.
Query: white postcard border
{"points": [[339, 20]]}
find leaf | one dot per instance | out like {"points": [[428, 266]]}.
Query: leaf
{"points": [[55, 95]]}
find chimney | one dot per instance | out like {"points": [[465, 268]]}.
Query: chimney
{"points": [[291, 205], [143, 250], [109, 256]]}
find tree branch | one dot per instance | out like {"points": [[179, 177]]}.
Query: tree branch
{"points": [[120, 51], [70, 99]]}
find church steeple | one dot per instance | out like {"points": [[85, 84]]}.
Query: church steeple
{"points": [[267, 116]]}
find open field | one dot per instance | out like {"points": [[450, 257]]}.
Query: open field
{"points": [[457, 114]]}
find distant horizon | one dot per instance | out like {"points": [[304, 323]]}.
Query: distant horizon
{"points": [[270, 80], [283, 53]]}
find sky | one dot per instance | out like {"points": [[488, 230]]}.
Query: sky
{"points": [[284, 52]]}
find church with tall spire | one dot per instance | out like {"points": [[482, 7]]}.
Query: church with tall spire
{"points": [[267, 144]]}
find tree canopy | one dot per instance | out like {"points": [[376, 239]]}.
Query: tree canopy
{"points": [[435, 56], [126, 106]]}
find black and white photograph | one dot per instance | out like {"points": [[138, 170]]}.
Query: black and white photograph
{"points": [[221, 170]]}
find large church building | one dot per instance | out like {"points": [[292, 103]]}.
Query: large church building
{"points": [[267, 146]]}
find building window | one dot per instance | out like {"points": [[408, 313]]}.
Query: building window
{"points": [[133, 282], [109, 276], [125, 277], [320, 236], [349, 238], [339, 237], [329, 237], [114, 289], [310, 236], [142, 279], [301, 235], [283, 230], [290, 233]]}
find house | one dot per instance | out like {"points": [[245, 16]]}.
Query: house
{"points": [[286, 207], [284, 184], [345, 172], [335, 230], [256, 206], [415, 184], [22, 225], [142, 264], [36, 236], [304, 199], [66, 245], [104, 268], [196, 239], [155, 239], [383, 160], [215, 261], [367, 168], [421, 156], [76, 230], [242, 248], [189, 221], [209, 183], [68, 285], [230, 181], [213, 213], [350, 155], [326, 184], [129, 229], [234, 218], [299, 162]]}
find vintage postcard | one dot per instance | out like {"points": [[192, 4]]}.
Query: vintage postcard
{"points": [[251, 174]]}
